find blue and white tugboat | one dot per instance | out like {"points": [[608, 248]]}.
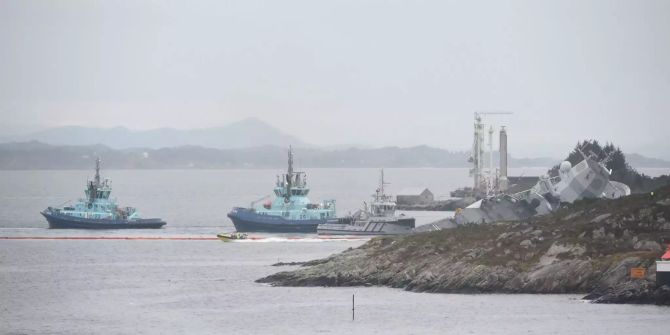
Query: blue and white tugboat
{"points": [[98, 211], [290, 211]]}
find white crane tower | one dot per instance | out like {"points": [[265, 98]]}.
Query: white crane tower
{"points": [[485, 182]]}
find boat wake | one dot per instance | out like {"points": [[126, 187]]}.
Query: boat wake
{"points": [[167, 234]]}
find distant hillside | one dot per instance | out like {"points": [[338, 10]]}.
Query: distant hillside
{"points": [[36, 155], [589, 246], [638, 160], [243, 134]]}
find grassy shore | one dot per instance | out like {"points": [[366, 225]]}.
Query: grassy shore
{"points": [[587, 247]]}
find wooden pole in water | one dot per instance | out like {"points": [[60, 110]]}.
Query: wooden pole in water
{"points": [[353, 308]]}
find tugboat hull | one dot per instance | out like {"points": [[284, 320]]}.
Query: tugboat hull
{"points": [[246, 220], [60, 221]]}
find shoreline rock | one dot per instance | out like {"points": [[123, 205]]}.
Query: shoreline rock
{"points": [[288, 263], [633, 292], [590, 253]]}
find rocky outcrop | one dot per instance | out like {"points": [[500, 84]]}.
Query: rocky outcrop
{"points": [[633, 292], [588, 247], [288, 263]]}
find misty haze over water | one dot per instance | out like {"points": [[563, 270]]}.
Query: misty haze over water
{"points": [[364, 73], [192, 105]]}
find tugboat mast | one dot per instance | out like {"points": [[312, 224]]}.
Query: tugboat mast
{"points": [[289, 175], [93, 186], [97, 172], [382, 183], [290, 161], [381, 195]]}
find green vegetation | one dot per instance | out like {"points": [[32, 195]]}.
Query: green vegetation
{"points": [[588, 246]]}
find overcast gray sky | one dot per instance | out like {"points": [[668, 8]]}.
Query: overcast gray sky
{"points": [[332, 72]]}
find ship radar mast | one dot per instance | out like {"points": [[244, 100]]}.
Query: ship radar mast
{"points": [[289, 175], [92, 186], [381, 194], [97, 172], [383, 204], [292, 183], [290, 160], [382, 183]]}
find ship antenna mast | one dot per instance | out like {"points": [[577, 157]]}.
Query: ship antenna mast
{"points": [[290, 161], [382, 183], [97, 172], [289, 175]]}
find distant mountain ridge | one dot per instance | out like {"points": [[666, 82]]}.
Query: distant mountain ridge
{"points": [[35, 156], [642, 161], [246, 133]]}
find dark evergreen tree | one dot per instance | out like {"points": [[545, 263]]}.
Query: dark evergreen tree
{"points": [[615, 160]]}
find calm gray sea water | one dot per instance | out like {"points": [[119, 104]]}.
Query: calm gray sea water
{"points": [[207, 287], [201, 198]]}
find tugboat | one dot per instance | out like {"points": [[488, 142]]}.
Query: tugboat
{"points": [[290, 212], [380, 219], [98, 211]]}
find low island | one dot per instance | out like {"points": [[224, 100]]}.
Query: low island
{"points": [[588, 247]]}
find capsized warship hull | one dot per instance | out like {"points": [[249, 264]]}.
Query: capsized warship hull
{"points": [[248, 220], [587, 179], [399, 226], [62, 221], [502, 208]]}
